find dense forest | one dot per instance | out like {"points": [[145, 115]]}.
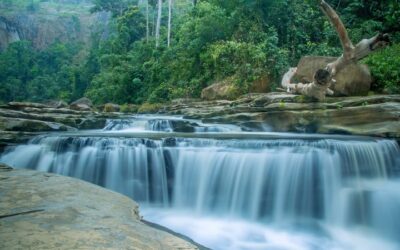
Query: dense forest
{"points": [[161, 50]]}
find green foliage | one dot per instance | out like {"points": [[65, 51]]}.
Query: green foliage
{"points": [[385, 68], [26, 74], [237, 41], [116, 7]]}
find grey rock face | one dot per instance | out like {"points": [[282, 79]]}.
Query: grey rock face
{"points": [[8, 33]]}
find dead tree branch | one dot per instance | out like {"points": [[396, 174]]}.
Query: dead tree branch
{"points": [[323, 78]]}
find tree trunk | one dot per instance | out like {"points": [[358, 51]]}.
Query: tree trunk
{"points": [[169, 21], [147, 21], [323, 78], [158, 23]]}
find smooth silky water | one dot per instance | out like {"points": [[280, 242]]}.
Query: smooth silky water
{"points": [[234, 191]]}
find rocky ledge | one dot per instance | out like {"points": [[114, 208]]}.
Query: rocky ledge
{"points": [[377, 115], [47, 211], [19, 121]]}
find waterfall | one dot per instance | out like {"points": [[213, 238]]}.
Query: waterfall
{"points": [[284, 182], [166, 124]]}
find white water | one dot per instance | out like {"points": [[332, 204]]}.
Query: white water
{"points": [[141, 123], [243, 194]]}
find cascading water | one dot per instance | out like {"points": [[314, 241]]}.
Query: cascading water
{"points": [[165, 124], [242, 193]]}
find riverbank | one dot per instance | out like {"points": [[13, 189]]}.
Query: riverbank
{"points": [[377, 115]]}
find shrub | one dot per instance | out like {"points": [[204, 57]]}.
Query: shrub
{"points": [[385, 68], [129, 108], [109, 107], [149, 108]]}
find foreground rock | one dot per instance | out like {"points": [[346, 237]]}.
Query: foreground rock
{"points": [[47, 211]]}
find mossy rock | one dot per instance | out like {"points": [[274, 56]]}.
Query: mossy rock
{"points": [[146, 108]]}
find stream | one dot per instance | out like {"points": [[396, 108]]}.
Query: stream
{"points": [[227, 188]]}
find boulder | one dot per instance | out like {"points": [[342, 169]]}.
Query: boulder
{"points": [[47, 211], [227, 90], [354, 79], [91, 123], [219, 91], [111, 107], [57, 104], [83, 104]]}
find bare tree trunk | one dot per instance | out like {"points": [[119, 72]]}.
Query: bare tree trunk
{"points": [[323, 78], [169, 21], [158, 23], [147, 21]]}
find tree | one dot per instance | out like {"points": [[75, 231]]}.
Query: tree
{"points": [[159, 13], [169, 22], [147, 21]]}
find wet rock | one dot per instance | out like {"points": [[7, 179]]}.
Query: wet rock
{"points": [[91, 123], [11, 138], [274, 97], [4, 168], [47, 211], [16, 124]]}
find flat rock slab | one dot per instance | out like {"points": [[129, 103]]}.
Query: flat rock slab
{"points": [[46, 211]]}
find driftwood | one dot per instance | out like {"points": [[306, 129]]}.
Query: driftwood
{"points": [[324, 78]]}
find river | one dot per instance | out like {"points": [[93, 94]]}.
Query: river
{"points": [[232, 189]]}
